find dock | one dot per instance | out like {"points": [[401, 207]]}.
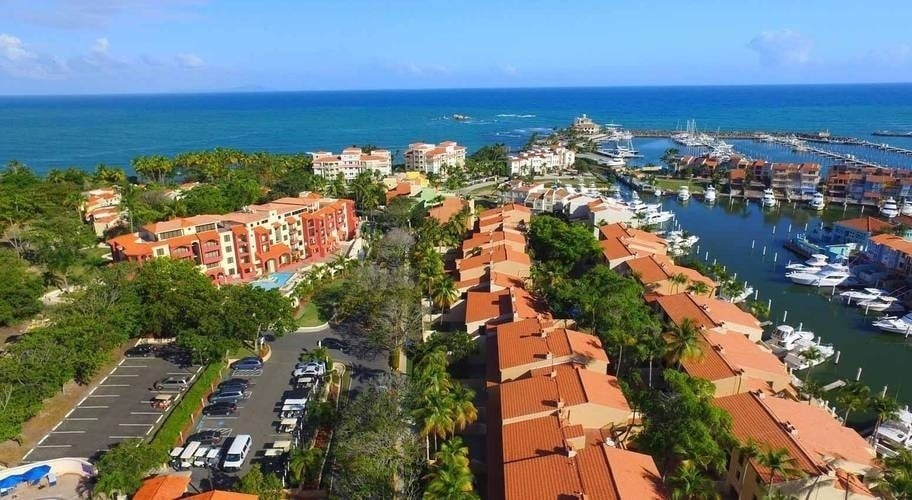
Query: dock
{"points": [[836, 384]]}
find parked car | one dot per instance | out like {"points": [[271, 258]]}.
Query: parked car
{"points": [[141, 351], [220, 409], [235, 382], [248, 363], [334, 343], [229, 395], [179, 383], [209, 438], [316, 368]]}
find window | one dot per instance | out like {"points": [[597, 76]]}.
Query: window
{"points": [[229, 249], [227, 238], [230, 260], [159, 252]]}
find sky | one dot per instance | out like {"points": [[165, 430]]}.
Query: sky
{"points": [[163, 46]]}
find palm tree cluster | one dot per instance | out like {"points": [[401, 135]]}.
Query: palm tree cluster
{"points": [[443, 406], [779, 464], [897, 477], [450, 477], [318, 275], [683, 343]]}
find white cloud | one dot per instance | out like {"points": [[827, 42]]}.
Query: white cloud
{"points": [[509, 70], [17, 60], [188, 60], [422, 70], [101, 46], [782, 48]]}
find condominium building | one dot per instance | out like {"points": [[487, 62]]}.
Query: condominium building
{"points": [[432, 159], [249, 243], [867, 184], [541, 160], [351, 162]]}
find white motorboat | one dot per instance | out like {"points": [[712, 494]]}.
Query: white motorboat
{"points": [[816, 262], [683, 193], [883, 303], [741, 297], [889, 208], [786, 338], [817, 202], [657, 191], [798, 360], [894, 324], [709, 196], [856, 296], [679, 238], [657, 217], [829, 275], [906, 208], [768, 199], [611, 162], [894, 435]]}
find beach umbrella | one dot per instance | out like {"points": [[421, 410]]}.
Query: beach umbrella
{"points": [[36, 473]]}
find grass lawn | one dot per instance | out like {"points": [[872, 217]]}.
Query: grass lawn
{"points": [[309, 315], [674, 184], [168, 434]]}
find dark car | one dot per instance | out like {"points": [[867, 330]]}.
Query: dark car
{"points": [[141, 351], [209, 438], [334, 343], [248, 363], [220, 409], [235, 382]]}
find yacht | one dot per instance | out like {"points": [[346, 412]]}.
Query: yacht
{"points": [[657, 191], [829, 275], [786, 338], [856, 296], [652, 217], [817, 202], [796, 360], [894, 435], [889, 208], [678, 238], [893, 324], [613, 162], [769, 198], [813, 264], [883, 303], [709, 196], [684, 193], [906, 208]]}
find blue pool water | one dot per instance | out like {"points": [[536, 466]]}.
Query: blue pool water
{"points": [[273, 281]]}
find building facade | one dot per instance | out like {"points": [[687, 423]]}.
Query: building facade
{"points": [[351, 162], [541, 160], [241, 245], [432, 159]]}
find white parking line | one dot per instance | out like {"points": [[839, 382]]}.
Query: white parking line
{"points": [[145, 412], [114, 385], [26, 456], [83, 418], [42, 439], [135, 425], [98, 407], [106, 377], [157, 420], [128, 375], [69, 413], [67, 432], [55, 446], [134, 366], [180, 373], [125, 437], [104, 396], [121, 361]]}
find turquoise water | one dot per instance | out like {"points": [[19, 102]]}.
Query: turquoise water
{"points": [[56, 132], [273, 281]]}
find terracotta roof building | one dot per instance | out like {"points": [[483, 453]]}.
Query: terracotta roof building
{"points": [[432, 159], [450, 206], [487, 241], [483, 309], [621, 243], [519, 347], [817, 444], [735, 364], [165, 487], [656, 272], [503, 259], [508, 216], [708, 313], [351, 162]]}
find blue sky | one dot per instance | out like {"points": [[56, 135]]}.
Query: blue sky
{"points": [[130, 46]]}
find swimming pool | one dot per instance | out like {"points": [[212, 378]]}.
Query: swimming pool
{"points": [[273, 281]]}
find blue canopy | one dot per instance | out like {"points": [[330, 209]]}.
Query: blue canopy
{"points": [[36, 473]]}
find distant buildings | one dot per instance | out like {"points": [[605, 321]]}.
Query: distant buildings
{"points": [[258, 240], [432, 159], [351, 162], [868, 185], [584, 126], [541, 160], [101, 208]]}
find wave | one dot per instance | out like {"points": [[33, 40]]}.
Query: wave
{"points": [[513, 115]]}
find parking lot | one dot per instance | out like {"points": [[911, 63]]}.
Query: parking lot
{"points": [[118, 408], [258, 415]]}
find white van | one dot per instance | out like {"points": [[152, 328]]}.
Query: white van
{"points": [[237, 452]]}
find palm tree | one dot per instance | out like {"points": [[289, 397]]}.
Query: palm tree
{"points": [[431, 372], [448, 482], [884, 408], [435, 414], [683, 343], [690, 483], [464, 411], [677, 280], [304, 465], [813, 356], [443, 293], [698, 288], [897, 475], [853, 396], [779, 462], [453, 452]]}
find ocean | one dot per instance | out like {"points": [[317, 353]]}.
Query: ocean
{"points": [[84, 131]]}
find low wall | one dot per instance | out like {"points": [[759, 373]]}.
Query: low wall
{"points": [[59, 467]]}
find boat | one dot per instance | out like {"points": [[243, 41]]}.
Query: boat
{"points": [[768, 199], [652, 217], [906, 208], [461, 118], [786, 338], [856, 296], [683, 193], [889, 208], [883, 303], [741, 297], [798, 360], [894, 434], [657, 191], [813, 264], [817, 202], [613, 162], [894, 324], [680, 238], [829, 275], [891, 133], [709, 196]]}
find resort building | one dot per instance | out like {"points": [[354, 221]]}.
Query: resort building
{"points": [[735, 364], [519, 347], [659, 275], [541, 160], [795, 179], [351, 162], [868, 185], [707, 314], [433, 159], [584, 126], [892, 252], [621, 243], [858, 230], [502, 259], [509, 216], [608, 211], [481, 310], [101, 208], [480, 242], [449, 207], [835, 463], [242, 245]]}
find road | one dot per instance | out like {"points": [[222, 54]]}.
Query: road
{"points": [[258, 415]]}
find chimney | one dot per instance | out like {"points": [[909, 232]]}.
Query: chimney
{"points": [[553, 373], [759, 394], [568, 449], [543, 333], [705, 307], [561, 403], [549, 355], [790, 428], [719, 349]]}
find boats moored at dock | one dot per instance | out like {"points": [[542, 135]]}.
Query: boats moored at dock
{"points": [[709, 195], [889, 208], [769, 198], [683, 193], [894, 324], [817, 202]]}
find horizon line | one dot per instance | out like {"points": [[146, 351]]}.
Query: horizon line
{"points": [[265, 90]]}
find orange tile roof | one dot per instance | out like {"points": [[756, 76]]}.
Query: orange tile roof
{"points": [[573, 384], [483, 306], [500, 235], [506, 208], [648, 270], [682, 305], [725, 354], [635, 475], [131, 244], [536, 437], [496, 254], [866, 224], [894, 242], [521, 342], [450, 207], [723, 311], [181, 222], [166, 487]]}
